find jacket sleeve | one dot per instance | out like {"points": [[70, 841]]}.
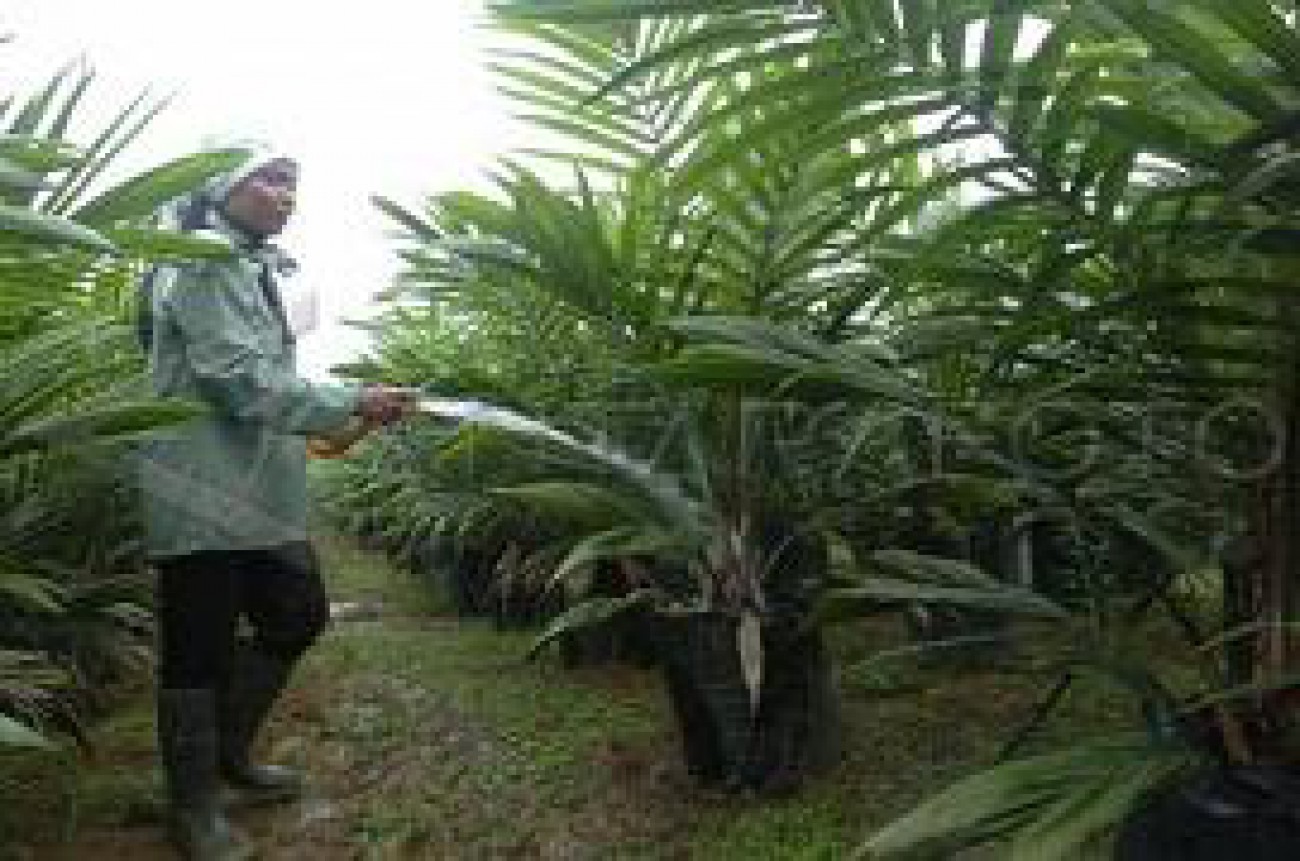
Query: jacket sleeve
{"points": [[218, 316]]}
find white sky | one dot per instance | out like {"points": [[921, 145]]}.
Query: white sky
{"points": [[388, 96]]}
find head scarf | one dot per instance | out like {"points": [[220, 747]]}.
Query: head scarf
{"points": [[220, 187], [199, 211]]}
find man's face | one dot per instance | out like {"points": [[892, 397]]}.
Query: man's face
{"points": [[263, 201]]}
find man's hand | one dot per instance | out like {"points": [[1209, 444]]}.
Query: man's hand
{"points": [[384, 405]]}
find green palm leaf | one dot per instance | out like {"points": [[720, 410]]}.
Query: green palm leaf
{"points": [[1047, 808]]}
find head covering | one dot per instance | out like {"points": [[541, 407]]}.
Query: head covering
{"points": [[201, 209], [219, 187]]}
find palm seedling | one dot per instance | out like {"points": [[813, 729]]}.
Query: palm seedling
{"points": [[70, 251]]}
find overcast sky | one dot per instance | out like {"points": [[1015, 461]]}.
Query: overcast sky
{"points": [[389, 96]]}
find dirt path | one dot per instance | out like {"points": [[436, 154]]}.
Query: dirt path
{"points": [[377, 715], [399, 770]]}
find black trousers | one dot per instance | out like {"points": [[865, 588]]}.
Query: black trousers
{"points": [[202, 599]]}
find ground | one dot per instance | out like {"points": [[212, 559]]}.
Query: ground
{"points": [[430, 737]]}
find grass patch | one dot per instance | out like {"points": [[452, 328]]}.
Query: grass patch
{"points": [[52, 798], [354, 575]]}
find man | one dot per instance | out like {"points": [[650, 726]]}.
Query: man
{"points": [[225, 501]]}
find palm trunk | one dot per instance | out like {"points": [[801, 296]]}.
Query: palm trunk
{"points": [[1277, 594], [1279, 513], [1260, 583]]}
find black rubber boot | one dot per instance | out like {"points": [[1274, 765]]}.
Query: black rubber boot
{"points": [[187, 744], [255, 682]]}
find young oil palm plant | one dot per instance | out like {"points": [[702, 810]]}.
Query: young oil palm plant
{"points": [[601, 271], [69, 255]]}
